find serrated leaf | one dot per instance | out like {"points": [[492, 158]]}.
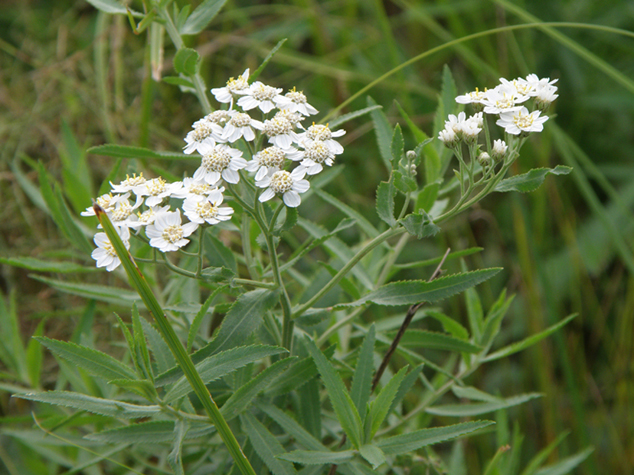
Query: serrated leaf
{"points": [[385, 202], [140, 346], [82, 402], [476, 409], [493, 321], [92, 291], [427, 197], [187, 61], [162, 354], [362, 378], [405, 386], [352, 115], [383, 132], [201, 17], [404, 183], [126, 151], [178, 81], [527, 342], [218, 254], [309, 412], [566, 465], [198, 319], [217, 275], [360, 220], [345, 409], [404, 443], [419, 224], [31, 263], [383, 402], [436, 341], [34, 356], [530, 181], [415, 291], [450, 325], [241, 399], [174, 458], [309, 457], [397, 147], [148, 433], [469, 392], [267, 446], [142, 387], [373, 455], [95, 362], [219, 365], [266, 60], [299, 374], [292, 428], [290, 220], [113, 7], [12, 350]]}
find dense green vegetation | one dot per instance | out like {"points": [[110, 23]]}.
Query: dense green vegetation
{"points": [[72, 77]]}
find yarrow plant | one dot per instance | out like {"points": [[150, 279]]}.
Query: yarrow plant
{"points": [[291, 326]]}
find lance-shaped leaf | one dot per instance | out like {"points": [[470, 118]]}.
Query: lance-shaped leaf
{"points": [[221, 364], [255, 74], [174, 458], [476, 409], [266, 446], [309, 457], [352, 115], [31, 263], [404, 443], [127, 151], [292, 428], [96, 405], [95, 362], [385, 202], [380, 407], [436, 341], [362, 379], [530, 181], [202, 16], [415, 291], [345, 409], [566, 465], [92, 291], [383, 132], [152, 432], [373, 455]]}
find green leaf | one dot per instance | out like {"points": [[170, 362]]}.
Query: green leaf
{"points": [[469, 392], [174, 458], [292, 428], [126, 151], [298, 375], [187, 61], [92, 291], [201, 17], [467, 410], [419, 135], [543, 454], [404, 443], [218, 254], [31, 263], [266, 446], [162, 354], [385, 202], [149, 433], [95, 362], [427, 197], [113, 7], [178, 81], [527, 342], [140, 345], [142, 387], [405, 386], [34, 356], [345, 409], [530, 181], [359, 219], [419, 224], [12, 351], [268, 58], [198, 319], [450, 325], [219, 365], [96, 405], [437, 341], [373, 455], [397, 147], [309, 412], [494, 318], [241, 399], [362, 379], [380, 407], [415, 291], [352, 115], [383, 132], [290, 220], [215, 275], [310, 457], [566, 465]]}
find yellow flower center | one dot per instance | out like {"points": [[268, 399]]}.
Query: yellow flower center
{"points": [[173, 234], [281, 182]]}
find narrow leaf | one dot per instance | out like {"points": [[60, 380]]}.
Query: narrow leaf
{"points": [[385, 202], [126, 151], [148, 433], [362, 379], [405, 386], [113, 7], [465, 410], [174, 458], [352, 115], [474, 394], [566, 465], [437, 341], [383, 132], [360, 220], [530, 181], [292, 428], [382, 404], [404, 443], [92, 291], [309, 457], [178, 81], [373, 455], [397, 147], [268, 58], [202, 16], [267, 446], [31, 263], [218, 254]]}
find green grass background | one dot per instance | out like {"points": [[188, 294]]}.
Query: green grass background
{"points": [[71, 78]]}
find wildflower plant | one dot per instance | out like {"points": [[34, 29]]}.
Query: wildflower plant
{"points": [[272, 389]]}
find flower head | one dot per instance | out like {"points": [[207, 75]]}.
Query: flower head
{"points": [[280, 132], [167, 233], [105, 255], [474, 97], [289, 185], [316, 153], [156, 190], [203, 137], [129, 183], [207, 209], [499, 150], [234, 87], [521, 121], [241, 125], [259, 95], [106, 202], [270, 160], [504, 98], [295, 101], [221, 161], [324, 134]]}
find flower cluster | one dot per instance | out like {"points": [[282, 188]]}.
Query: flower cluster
{"points": [[284, 152]]}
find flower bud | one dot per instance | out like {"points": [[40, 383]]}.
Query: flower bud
{"points": [[499, 150], [484, 159]]}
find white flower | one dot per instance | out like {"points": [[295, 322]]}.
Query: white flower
{"points": [[270, 160], [455, 123], [521, 86], [167, 234], [221, 161], [106, 202], [120, 215], [105, 254], [448, 137], [499, 150], [521, 120], [260, 95], [241, 125], [203, 137], [503, 98], [295, 102], [128, 184], [537, 83], [194, 188], [234, 87], [289, 185], [324, 134], [147, 217], [474, 97], [545, 95], [156, 190], [280, 132], [207, 210], [315, 153], [220, 117], [292, 117]]}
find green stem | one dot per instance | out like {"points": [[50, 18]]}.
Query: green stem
{"points": [[178, 350], [200, 252]]}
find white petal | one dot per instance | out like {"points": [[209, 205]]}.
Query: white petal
{"points": [[292, 199], [230, 176], [301, 186], [267, 195]]}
